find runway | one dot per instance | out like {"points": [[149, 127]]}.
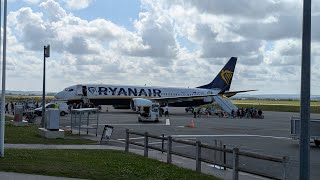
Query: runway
{"points": [[270, 136]]}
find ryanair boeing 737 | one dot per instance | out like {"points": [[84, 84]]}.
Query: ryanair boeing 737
{"points": [[130, 97]]}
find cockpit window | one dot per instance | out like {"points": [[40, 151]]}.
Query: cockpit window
{"points": [[68, 89]]}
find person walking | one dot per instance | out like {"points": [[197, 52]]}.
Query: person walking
{"points": [[166, 111], [12, 108], [7, 108], [56, 106]]}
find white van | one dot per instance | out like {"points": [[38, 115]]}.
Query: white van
{"points": [[62, 106]]}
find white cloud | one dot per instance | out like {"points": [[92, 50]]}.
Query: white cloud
{"points": [[54, 10], [186, 41], [78, 4], [32, 1]]}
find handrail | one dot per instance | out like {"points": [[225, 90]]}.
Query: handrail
{"points": [[216, 148], [198, 145], [260, 156]]}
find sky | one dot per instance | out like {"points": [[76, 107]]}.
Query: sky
{"points": [[175, 43]]}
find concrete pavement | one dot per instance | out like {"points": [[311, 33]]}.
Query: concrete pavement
{"points": [[22, 176]]}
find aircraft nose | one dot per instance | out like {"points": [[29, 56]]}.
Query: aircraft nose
{"points": [[58, 95]]}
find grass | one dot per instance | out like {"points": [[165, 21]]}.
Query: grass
{"points": [[29, 135], [283, 102], [276, 105], [7, 118], [18, 98], [92, 164]]}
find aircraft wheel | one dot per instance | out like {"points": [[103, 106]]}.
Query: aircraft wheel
{"points": [[317, 142], [62, 113]]}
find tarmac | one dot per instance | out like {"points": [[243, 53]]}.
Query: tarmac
{"points": [[176, 160]]}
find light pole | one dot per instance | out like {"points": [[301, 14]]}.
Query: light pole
{"points": [[46, 53], [3, 78], [305, 93]]}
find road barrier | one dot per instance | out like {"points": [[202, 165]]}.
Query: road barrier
{"points": [[198, 157]]}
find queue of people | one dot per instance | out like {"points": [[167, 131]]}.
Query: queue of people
{"points": [[9, 108], [239, 113], [247, 113]]}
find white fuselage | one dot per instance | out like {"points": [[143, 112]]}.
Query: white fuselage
{"points": [[105, 94]]}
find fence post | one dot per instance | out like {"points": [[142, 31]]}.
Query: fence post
{"points": [[215, 152], [162, 146], [198, 156], [221, 152], [127, 141], [169, 148], [235, 171], [146, 139], [224, 158], [285, 160]]}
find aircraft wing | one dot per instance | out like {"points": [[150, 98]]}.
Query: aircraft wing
{"points": [[180, 98], [232, 93]]}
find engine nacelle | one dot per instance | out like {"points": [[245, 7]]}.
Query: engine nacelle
{"points": [[138, 102]]}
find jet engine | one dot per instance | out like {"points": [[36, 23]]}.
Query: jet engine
{"points": [[138, 102]]}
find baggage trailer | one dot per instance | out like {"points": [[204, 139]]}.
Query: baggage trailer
{"points": [[314, 129]]}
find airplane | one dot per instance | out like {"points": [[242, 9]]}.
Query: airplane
{"points": [[131, 97]]}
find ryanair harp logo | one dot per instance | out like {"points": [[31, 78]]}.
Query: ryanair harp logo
{"points": [[226, 76]]}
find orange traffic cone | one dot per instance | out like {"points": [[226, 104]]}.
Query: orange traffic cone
{"points": [[191, 125]]}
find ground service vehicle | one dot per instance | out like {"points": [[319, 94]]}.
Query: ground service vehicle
{"points": [[149, 113], [62, 106], [314, 129]]}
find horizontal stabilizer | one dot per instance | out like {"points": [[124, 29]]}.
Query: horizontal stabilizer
{"points": [[232, 93]]}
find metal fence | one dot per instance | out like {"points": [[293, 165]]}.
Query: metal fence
{"points": [[199, 157]]}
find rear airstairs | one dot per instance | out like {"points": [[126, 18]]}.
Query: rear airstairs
{"points": [[225, 104]]}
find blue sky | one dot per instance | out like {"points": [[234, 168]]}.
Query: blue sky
{"points": [[121, 12], [141, 42]]}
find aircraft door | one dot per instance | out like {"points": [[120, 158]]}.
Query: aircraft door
{"points": [[79, 90], [84, 91]]}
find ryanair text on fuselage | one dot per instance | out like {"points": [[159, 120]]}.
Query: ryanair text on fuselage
{"points": [[119, 91]]}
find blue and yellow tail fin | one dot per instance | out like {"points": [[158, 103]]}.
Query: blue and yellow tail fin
{"points": [[223, 80]]}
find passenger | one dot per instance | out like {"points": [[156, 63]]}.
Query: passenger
{"points": [[260, 113], [7, 108], [232, 113], [221, 114], [69, 108], [225, 114], [199, 112], [238, 113], [74, 106], [12, 108], [207, 112], [166, 111], [56, 106]]}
